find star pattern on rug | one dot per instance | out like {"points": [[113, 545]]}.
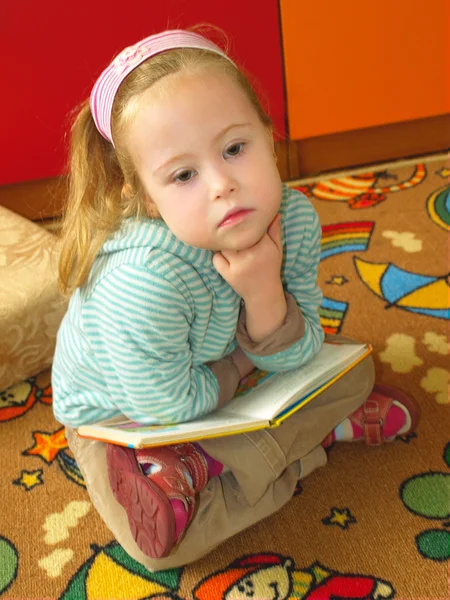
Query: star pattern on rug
{"points": [[337, 280], [47, 445], [342, 517], [29, 479]]}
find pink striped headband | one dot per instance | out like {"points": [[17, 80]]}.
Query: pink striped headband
{"points": [[106, 86]]}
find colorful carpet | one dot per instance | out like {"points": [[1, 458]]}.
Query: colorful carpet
{"points": [[374, 523]]}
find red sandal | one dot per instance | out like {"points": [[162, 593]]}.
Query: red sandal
{"points": [[371, 416], [146, 498]]}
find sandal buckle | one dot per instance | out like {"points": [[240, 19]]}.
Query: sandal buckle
{"points": [[380, 422]]}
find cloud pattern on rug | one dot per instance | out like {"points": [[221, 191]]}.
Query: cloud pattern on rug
{"points": [[436, 342], [400, 353], [57, 525], [403, 239], [54, 563], [437, 381]]}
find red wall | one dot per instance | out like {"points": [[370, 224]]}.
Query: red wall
{"points": [[52, 51]]}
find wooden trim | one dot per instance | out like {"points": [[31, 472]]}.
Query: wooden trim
{"points": [[36, 200], [283, 150], [43, 199], [349, 149]]}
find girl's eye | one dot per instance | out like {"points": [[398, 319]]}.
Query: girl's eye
{"points": [[235, 149], [184, 176]]}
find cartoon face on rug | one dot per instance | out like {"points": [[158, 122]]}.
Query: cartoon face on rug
{"points": [[268, 576], [272, 583], [262, 576], [15, 396], [15, 400], [19, 398]]}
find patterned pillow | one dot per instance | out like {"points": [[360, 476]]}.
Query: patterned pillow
{"points": [[31, 307]]}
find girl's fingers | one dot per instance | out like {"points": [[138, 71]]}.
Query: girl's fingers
{"points": [[227, 254], [220, 263]]}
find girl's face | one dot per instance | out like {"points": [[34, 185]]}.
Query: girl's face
{"points": [[205, 160]]}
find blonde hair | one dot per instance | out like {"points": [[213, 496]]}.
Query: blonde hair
{"points": [[104, 188]]}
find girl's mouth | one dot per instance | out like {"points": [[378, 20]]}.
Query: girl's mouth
{"points": [[233, 218]]}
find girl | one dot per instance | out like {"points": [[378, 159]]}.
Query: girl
{"points": [[189, 264]]}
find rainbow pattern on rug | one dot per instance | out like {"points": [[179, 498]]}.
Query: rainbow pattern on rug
{"points": [[345, 237], [332, 314], [353, 236]]}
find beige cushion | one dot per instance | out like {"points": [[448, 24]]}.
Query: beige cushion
{"points": [[31, 308]]}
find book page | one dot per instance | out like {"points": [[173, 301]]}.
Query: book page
{"points": [[268, 394], [258, 401], [122, 430]]}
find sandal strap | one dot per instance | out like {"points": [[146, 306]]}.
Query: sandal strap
{"points": [[371, 417], [171, 475], [196, 463], [174, 461]]}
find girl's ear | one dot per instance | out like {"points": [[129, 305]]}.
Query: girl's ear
{"points": [[150, 207], [152, 210], [272, 142]]}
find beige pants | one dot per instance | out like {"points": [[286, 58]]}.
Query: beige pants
{"points": [[264, 468]]}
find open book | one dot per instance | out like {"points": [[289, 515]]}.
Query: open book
{"points": [[262, 400]]}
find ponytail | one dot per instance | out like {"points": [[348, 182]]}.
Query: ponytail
{"points": [[94, 207]]}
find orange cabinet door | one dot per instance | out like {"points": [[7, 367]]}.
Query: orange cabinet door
{"points": [[352, 64]]}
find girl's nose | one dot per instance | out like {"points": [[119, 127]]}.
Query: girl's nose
{"points": [[222, 185]]}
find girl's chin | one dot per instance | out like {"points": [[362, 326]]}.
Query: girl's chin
{"points": [[248, 241], [234, 240]]}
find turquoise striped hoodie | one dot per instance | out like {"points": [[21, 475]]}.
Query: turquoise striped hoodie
{"points": [[136, 338]]}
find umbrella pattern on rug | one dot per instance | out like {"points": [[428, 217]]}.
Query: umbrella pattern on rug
{"points": [[373, 524]]}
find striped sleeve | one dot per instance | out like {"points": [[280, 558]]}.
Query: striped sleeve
{"points": [[302, 256], [138, 325]]}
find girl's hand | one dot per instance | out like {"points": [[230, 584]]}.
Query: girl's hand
{"points": [[254, 273]]}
